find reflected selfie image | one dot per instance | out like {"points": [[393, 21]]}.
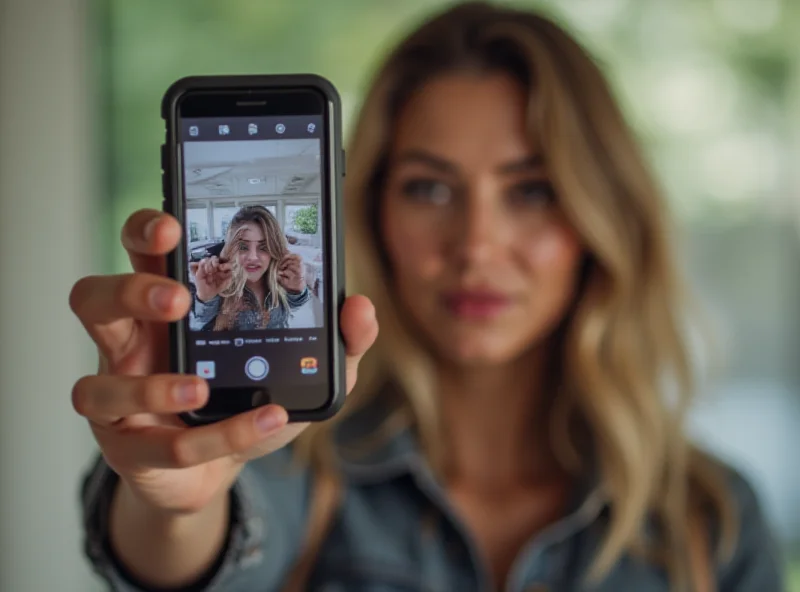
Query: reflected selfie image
{"points": [[254, 237]]}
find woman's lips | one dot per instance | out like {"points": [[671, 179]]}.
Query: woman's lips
{"points": [[476, 305], [252, 268]]}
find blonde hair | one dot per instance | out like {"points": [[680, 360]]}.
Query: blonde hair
{"points": [[233, 300], [622, 347]]}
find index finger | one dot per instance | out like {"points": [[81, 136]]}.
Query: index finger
{"points": [[148, 235], [107, 306], [98, 300]]}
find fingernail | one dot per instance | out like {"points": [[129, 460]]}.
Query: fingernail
{"points": [[161, 298], [186, 393], [267, 421], [150, 228]]}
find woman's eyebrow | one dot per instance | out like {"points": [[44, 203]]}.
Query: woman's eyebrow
{"points": [[420, 156], [525, 165]]}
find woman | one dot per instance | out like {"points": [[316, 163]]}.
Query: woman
{"points": [[511, 428], [254, 284]]}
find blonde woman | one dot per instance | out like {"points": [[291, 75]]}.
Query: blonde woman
{"points": [[255, 283], [511, 429]]}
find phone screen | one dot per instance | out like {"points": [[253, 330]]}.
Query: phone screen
{"points": [[256, 213]]}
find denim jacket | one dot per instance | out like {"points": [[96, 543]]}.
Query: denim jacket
{"points": [[378, 542], [203, 314]]}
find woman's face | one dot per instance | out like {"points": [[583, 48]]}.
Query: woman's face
{"points": [[252, 252], [482, 257]]}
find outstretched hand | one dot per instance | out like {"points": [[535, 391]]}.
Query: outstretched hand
{"points": [[132, 402]]}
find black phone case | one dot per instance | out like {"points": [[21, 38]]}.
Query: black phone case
{"points": [[334, 225]]}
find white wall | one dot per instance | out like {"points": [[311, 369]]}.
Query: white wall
{"points": [[46, 241]]}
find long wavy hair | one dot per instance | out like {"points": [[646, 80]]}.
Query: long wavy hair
{"points": [[624, 372], [234, 297]]}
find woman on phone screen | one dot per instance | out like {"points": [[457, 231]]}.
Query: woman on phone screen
{"points": [[519, 423], [255, 283]]}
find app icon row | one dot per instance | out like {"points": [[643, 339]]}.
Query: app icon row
{"points": [[252, 129], [256, 368]]}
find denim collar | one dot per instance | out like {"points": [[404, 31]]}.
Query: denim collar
{"points": [[367, 458]]}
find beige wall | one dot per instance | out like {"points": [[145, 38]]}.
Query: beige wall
{"points": [[46, 209]]}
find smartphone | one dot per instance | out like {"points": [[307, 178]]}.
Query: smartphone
{"points": [[252, 169]]}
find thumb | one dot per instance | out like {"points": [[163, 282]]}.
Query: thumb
{"points": [[359, 329]]}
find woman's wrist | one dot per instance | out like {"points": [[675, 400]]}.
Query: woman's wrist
{"points": [[126, 506], [167, 549], [205, 300]]}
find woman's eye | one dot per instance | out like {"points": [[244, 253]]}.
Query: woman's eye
{"points": [[427, 191], [533, 193], [242, 246], [263, 249]]}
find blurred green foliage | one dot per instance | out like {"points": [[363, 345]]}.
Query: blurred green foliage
{"points": [[305, 220]]}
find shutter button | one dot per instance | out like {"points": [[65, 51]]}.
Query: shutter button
{"points": [[256, 368]]}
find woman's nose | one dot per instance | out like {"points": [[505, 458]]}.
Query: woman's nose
{"points": [[479, 229], [252, 254]]}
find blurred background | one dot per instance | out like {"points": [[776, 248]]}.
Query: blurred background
{"points": [[711, 86]]}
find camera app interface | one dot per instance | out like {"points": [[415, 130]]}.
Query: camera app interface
{"points": [[256, 250]]}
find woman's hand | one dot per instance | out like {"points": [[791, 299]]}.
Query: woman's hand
{"points": [[132, 402], [290, 273], [211, 276]]}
